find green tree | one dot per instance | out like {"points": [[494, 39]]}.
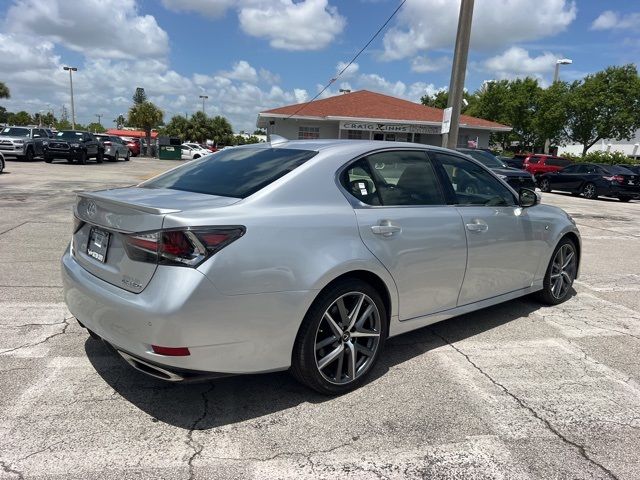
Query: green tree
{"points": [[120, 121], [4, 91], [199, 127], [96, 127], [178, 126], [260, 131], [139, 96], [551, 114], [220, 131], [63, 124], [522, 106], [441, 99], [491, 104], [20, 118], [4, 115], [603, 105], [145, 116]]}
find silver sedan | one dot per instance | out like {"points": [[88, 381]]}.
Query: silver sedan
{"points": [[114, 147], [305, 255]]}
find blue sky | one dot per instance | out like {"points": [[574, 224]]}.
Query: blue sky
{"points": [[251, 55]]}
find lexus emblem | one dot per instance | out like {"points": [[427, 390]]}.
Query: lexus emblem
{"points": [[92, 209]]}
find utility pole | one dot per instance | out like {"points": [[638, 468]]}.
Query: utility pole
{"points": [[203, 97], [73, 111], [556, 77], [458, 72], [99, 115]]}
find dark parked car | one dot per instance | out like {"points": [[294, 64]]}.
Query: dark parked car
{"points": [[516, 178], [515, 162], [539, 164], [73, 145], [592, 180]]}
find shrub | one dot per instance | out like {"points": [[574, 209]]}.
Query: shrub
{"points": [[610, 158]]}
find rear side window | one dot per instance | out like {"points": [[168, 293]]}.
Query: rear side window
{"points": [[617, 170], [558, 162], [533, 160], [237, 172]]}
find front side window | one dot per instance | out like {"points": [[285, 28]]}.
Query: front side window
{"points": [[558, 162], [472, 184], [308, 133], [396, 178], [235, 172]]}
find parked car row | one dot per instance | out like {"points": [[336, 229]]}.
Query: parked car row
{"points": [[550, 172]]}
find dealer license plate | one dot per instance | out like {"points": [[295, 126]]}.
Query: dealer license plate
{"points": [[98, 244]]}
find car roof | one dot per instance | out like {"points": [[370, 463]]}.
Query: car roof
{"points": [[321, 145]]}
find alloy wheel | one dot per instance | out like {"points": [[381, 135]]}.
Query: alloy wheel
{"points": [[544, 185], [347, 338], [589, 190], [563, 270]]}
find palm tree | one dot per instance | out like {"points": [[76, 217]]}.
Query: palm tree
{"points": [[146, 116], [4, 91]]}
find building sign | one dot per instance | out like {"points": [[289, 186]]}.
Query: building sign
{"points": [[391, 127], [446, 120]]}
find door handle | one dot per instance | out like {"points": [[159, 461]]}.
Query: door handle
{"points": [[386, 228], [477, 226]]}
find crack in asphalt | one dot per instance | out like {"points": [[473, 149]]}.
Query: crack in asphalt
{"points": [[6, 467], [64, 322], [13, 228], [580, 448], [191, 443]]}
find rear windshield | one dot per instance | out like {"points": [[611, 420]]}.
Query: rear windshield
{"points": [[487, 159], [616, 170], [237, 172]]}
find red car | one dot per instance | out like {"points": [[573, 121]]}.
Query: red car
{"points": [[133, 144], [537, 164]]}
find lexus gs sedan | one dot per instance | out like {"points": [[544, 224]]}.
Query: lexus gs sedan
{"points": [[305, 256]]}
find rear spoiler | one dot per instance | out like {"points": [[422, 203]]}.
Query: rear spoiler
{"points": [[140, 208]]}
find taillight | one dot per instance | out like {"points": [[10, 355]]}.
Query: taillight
{"points": [[182, 247], [108, 144], [615, 178]]}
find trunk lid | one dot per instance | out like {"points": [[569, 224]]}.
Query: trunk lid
{"points": [[123, 211]]}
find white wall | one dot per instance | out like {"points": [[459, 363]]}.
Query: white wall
{"points": [[289, 128], [631, 148]]}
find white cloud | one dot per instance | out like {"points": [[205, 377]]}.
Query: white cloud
{"points": [[208, 8], [269, 77], [424, 25], [350, 71], [516, 62], [305, 25], [423, 64], [243, 71], [609, 20], [99, 28]]}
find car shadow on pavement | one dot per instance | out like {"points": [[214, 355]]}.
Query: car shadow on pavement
{"points": [[236, 399]]}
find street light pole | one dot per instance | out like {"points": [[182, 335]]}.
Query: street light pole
{"points": [[73, 110], [203, 97], [556, 77], [458, 72], [99, 115]]}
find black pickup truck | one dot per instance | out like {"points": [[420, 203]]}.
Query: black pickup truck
{"points": [[73, 145]]}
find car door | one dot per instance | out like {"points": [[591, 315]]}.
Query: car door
{"points": [[186, 153], [564, 179], [504, 242], [405, 222]]}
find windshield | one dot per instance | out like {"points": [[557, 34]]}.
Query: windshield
{"points": [[485, 158], [15, 132], [237, 172], [69, 134]]}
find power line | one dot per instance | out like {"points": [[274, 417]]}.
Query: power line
{"points": [[352, 60]]}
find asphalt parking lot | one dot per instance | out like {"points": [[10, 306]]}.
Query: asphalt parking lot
{"points": [[516, 391]]}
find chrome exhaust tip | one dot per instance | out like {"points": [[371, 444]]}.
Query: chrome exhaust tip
{"points": [[150, 369]]}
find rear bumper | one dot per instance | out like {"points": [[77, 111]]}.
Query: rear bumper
{"points": [[621, 191], [225, 334]]}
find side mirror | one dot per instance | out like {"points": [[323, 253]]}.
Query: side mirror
{"points": [[528, 198]]}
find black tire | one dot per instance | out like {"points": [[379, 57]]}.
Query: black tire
{"points": [[549, 293], [115, 158], [48, 159], [82, 158], [100, 156], [624, 199], [70, 160], [589, 191], [545, 186], [1, 164], [29, 155], [304, 362], [128, 157]]}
